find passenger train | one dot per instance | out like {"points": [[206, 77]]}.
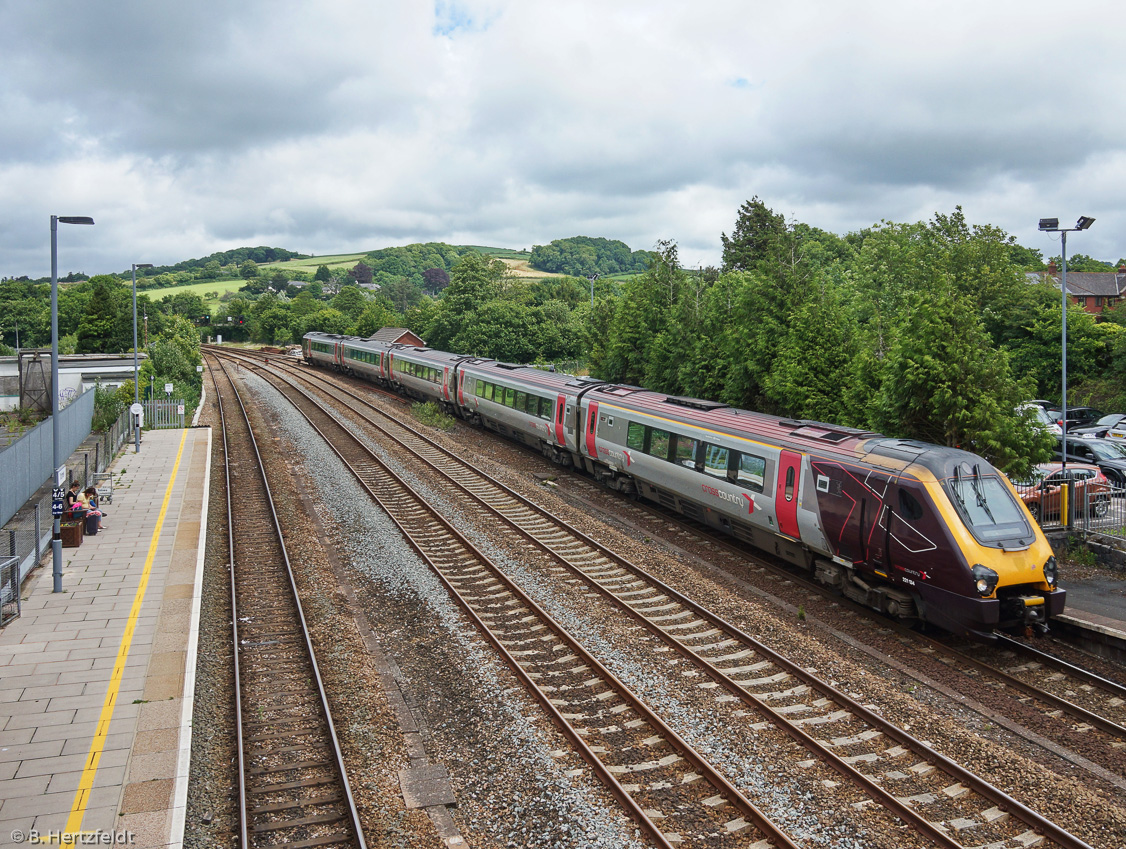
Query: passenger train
{"points": [[921, 532]]}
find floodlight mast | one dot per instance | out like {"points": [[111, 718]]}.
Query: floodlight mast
{"points": [[1052, 225]]}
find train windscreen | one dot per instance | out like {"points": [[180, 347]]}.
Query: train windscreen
{"points": [[988, 508]]}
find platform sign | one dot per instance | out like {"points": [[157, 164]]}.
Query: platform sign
{"points": [[180, 410], [60, 477], [57, 507]]}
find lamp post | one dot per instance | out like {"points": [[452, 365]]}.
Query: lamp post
{"points": [[1052, 225], [136, 373], [60, 471]]}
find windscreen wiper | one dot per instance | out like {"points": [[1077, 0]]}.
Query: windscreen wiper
{"points": [[974, 481]]}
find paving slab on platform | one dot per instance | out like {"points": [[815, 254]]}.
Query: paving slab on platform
{"points": [[96, 682]]}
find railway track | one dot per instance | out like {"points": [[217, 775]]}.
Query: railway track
{"points": [[1082, 711], [293, 788], [935, 796], [673, 793]]}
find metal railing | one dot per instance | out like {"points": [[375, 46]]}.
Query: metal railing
{"points": [[161, 414], [1098, 511], [9, 590], [27, 535]]}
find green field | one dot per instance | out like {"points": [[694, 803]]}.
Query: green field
{"points": [[312, 263], [201, 289]]}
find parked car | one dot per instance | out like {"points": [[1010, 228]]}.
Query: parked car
{"points": [[1042, 416], [1108, 455], [1042, 494], [1076, 417], [1112, 426]]}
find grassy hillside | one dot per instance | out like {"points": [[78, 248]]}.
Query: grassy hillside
{"points": [[314, 262], [218, 286]]}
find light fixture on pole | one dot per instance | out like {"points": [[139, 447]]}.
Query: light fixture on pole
{"points": [[135, 412], [60, 469], [1052, 225]]}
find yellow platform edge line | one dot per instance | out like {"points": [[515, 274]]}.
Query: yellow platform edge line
{"points": [[86, 783]]}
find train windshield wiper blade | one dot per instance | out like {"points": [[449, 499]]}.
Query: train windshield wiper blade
{"points": [[981, 501]]}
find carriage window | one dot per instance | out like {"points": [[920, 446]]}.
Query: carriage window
{"points": [[559, 415], [909, 505], [479, 389], [751, 471], [532, 405], [592, 422], [789, 492], [659, 443], [545, 408], [509, 396], [686, 451], [518, 401], [635, 436], [715, 460]]}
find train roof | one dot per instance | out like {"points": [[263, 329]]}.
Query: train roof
{"points": [[798, 434], [553, 381]]}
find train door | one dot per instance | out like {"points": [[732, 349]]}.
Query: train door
{"points": [[786, 497], [338, 357], [446, 382], [592, 430], [390, 366], [560, 409]]}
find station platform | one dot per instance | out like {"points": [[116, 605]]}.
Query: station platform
{"points": [[97, 682]]}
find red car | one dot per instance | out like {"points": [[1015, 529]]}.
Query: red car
{"points": [[1042, 494]]}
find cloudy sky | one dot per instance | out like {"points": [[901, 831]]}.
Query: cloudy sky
{"points": [[348, 125]]}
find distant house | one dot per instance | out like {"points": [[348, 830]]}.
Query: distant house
{"points": [[1094, 291], [404, 336]]}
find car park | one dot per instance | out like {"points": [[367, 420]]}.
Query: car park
{"points": [[1042, 416], [1042, 495], [1077, 417], [1112, 426], [1109, 456]]}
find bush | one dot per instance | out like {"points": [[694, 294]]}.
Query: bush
{"points": [[429, 414], [107, 408]]}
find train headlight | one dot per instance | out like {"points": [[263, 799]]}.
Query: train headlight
{"points": [[1051, 571], [985, 580]]}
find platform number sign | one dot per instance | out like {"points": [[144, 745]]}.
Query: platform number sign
{"points": [[57, 496]]}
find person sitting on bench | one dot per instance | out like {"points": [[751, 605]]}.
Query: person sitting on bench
{"points": [[89, 500]]}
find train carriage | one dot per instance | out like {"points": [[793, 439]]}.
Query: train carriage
{"points": [[918, 531], [324, 349], [425, 373], [921, 532], [531, 405], [365, 358]]}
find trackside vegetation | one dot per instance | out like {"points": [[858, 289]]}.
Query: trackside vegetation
{"points": [[932, 330]]}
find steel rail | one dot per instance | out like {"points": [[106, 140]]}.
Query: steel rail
{"points": [[775, 835], [889, 800], [338, 758]]}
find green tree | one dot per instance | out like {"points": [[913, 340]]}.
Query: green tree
{"points": [[757, 241], [350, 301], [107, 324], [375, 316], [946, 384], [474, 281], [248, 270]]}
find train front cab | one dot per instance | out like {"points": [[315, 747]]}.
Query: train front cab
{"points": [[1005, 574]]}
